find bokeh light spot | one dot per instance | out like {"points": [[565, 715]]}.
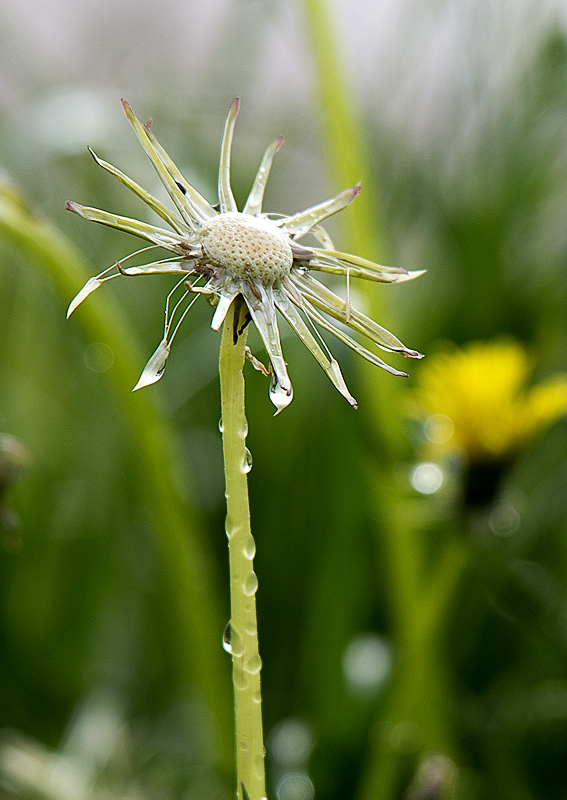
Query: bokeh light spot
{"points": [[427, 478], [438, 428], [295, 786], [367, 663], [290, 742], [98, 357], [504, 520]]}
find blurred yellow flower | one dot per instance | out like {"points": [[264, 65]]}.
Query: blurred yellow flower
{"points": [[476, 400]]}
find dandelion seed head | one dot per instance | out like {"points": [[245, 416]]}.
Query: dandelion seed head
{"points": [[251, 255], [247, 247]]}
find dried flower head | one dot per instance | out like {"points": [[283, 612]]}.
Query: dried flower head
{"points": [[226, 253]]}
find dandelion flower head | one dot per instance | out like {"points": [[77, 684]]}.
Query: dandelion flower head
{"points": [[477, 401], [226, 253]]}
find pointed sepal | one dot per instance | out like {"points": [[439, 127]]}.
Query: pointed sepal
{"points": [[155, 367], [325, 359], [193, 208], [256, 196], [225, 300], [90, 286], [157, 206], [300, 224], [260, 302], [226, 198], [151, 233]]}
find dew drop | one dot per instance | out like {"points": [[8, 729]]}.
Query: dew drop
{"points": [[253, 665], [249, 548], [281, 396], [230, 527], [153, 370], [226, 638], [250, 584], [240, 680], [232, 641], [247, 463], [221, 427]]}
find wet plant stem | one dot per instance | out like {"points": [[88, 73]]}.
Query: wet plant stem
{"points": [[241, 636]]}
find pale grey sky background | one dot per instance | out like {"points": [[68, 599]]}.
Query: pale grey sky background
{"points": [[438, 78], [419, 67]]}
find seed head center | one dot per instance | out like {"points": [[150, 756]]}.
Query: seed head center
{"points": [[247, 247]]}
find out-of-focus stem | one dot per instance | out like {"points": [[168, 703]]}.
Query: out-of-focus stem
{"points": [[183, 551], [348, 162], [420, 600], [241, 636], [342, 129]]}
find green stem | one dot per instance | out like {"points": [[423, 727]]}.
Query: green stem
{"points": [[241, 636]]}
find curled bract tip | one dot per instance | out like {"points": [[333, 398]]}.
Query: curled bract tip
{"points": [[409, 275], [235, 107], [88, 288], [337, 377], [155, 367]]}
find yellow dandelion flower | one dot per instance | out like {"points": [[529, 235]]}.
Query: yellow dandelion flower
{"points": [[477, 400]]}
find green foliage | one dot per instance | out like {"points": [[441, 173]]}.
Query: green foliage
{"points": [[113, 595]]}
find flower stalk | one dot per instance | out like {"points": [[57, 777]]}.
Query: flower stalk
{"points": [[249, 265], [241, 635]]}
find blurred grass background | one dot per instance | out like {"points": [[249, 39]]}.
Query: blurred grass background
{"points": [[412, 647]]}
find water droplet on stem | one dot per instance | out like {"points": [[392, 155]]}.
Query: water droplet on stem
{"points": [[239, 680], [250, 584], [230, 527], [247, 463], [249, 548], [232, 641], [253, 665]]}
